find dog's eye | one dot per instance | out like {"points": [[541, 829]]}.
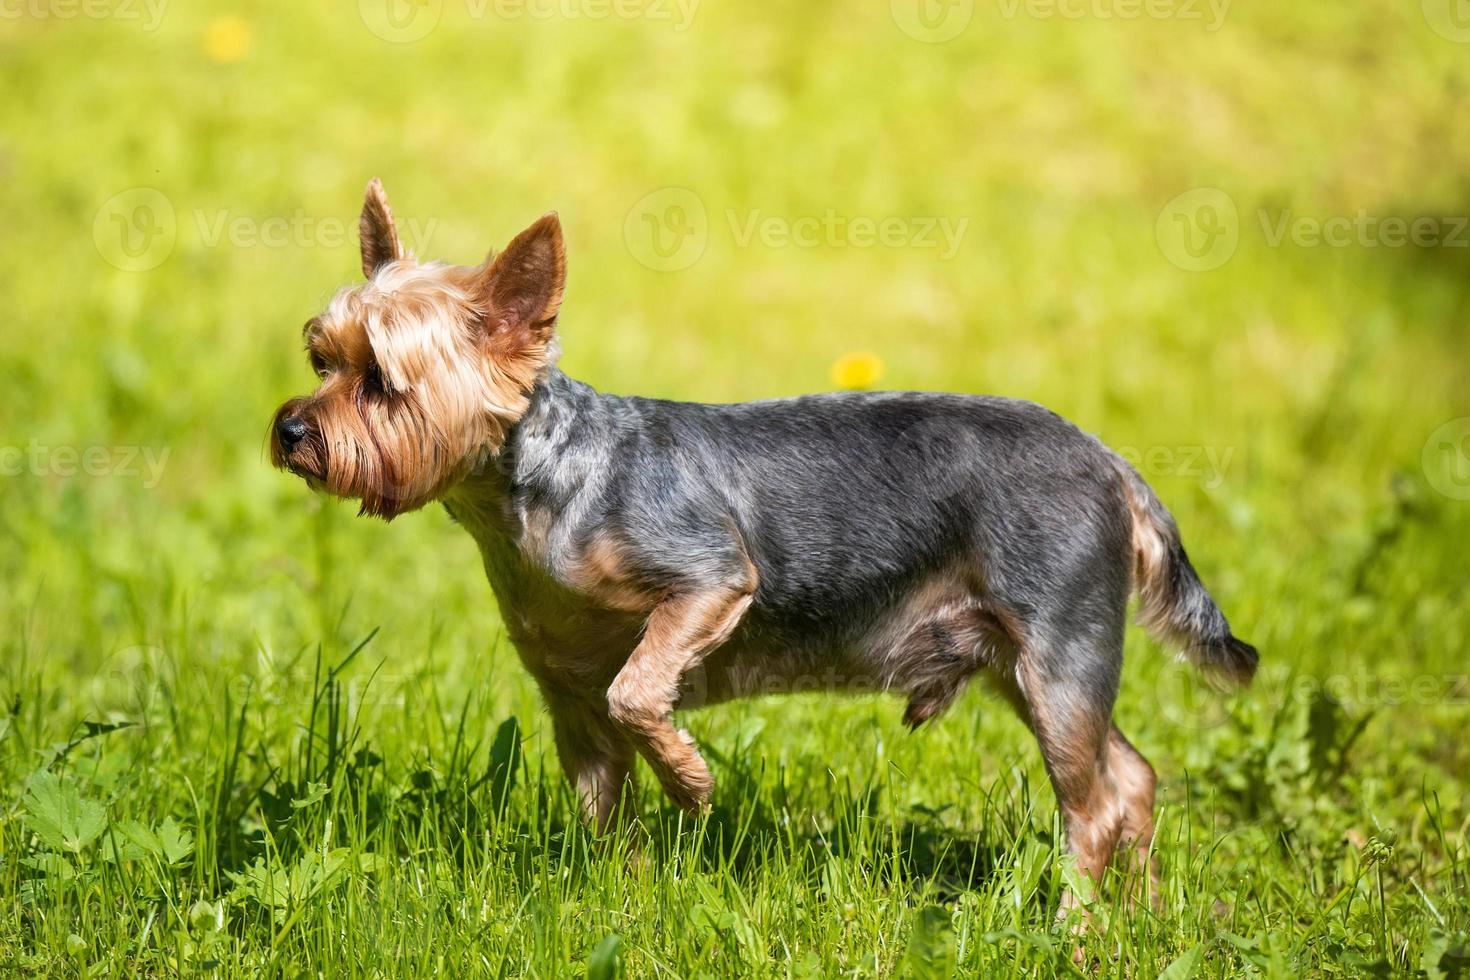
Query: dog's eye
{"points": [[372, 379], [318, 363]]}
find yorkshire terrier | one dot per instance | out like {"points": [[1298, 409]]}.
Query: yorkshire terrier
{"points": [[648, 555]]}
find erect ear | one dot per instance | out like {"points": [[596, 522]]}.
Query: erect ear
{"points": [[380, 244], [521, 288]]}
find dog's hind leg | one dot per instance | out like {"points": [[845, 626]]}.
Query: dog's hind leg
{"points": [[1074, 742], [1104, 787], [1135, 782], [1064, 690], [680, 632]]}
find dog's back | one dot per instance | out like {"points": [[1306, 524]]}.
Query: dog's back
{"points": [[845, 502]]}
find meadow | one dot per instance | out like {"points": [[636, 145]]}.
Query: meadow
{"points": [[245, 732]]}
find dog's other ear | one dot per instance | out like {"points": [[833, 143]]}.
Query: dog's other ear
{"points": [[380, 244], [521, 288]]}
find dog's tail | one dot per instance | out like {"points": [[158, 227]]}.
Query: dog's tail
{"points": [[1173, 603]]}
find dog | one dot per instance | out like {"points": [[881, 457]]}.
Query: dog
{"points": [[649, 555]]}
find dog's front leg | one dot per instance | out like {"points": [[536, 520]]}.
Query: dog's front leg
{"points": [[598, 761], [680, 632]]}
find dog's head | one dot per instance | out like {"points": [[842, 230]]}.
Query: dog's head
{"points": [[423, 368]]}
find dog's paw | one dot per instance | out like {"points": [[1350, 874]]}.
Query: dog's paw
{"points": [[690, 787]]}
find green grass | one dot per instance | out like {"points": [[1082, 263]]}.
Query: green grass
{"points": [[243, 731]]}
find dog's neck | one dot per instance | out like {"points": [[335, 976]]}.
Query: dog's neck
{"points": [[554, 457]]}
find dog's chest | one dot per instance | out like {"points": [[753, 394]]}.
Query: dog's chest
{"points": [[564, 635]]}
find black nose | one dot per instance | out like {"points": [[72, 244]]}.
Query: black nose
{"points": [[290, 430]]}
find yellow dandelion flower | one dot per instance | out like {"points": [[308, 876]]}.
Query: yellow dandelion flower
{"points": [[227, 39], [860, 369]]}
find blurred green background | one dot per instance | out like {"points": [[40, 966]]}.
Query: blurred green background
{"points": [[1230, 240]]}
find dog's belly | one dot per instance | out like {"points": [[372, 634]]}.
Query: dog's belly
{"points": [[924, 647], [737, 671]]}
